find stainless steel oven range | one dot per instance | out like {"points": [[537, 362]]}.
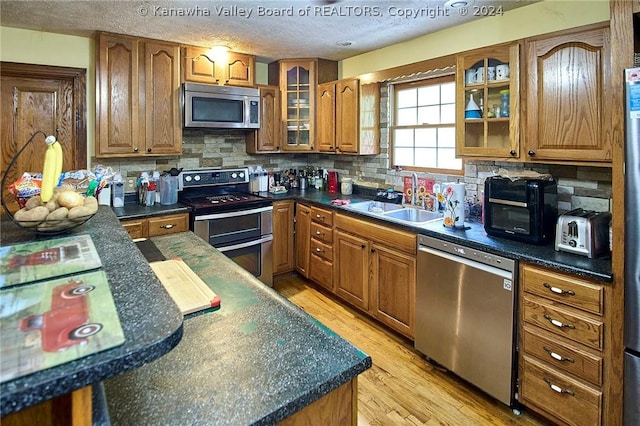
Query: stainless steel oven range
{"points": [[232, 220]]}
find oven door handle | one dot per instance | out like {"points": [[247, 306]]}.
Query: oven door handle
{"points": [[234, 213], [262, 240]]}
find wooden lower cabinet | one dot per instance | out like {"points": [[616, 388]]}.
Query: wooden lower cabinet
{"points": [[375, 270], [283, 247], [338, 407], [157, 225], [563, 357], [393, 292], [302, 238], [352, 268]]}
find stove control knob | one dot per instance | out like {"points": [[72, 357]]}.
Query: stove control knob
{"points": [[187, 178], [241, 175], [196, 178], [234, 175]]}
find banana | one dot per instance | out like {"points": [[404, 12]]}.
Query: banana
{"points": [[51, 169]]}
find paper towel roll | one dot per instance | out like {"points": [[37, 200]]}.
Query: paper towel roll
{"points": [[454, 205]]}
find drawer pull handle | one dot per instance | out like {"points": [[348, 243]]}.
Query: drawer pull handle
{"points": [[319, 250], [557, 388], [558, 323], [557, 290], [319, 233], [169, 226], [556, 356], [319, 216]]}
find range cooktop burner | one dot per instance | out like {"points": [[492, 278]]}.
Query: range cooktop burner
{"points": [[227, 198]]}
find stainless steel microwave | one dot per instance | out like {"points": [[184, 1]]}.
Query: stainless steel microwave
{"points": [[220, 107]]}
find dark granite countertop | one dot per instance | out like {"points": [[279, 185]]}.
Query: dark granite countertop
{"points": [[256, 360], [475, 236], [151, 321]]}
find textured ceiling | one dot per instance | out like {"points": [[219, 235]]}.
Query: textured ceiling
{"points": [[268, 29]]}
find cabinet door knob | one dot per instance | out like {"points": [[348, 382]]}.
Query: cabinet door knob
{"points": [[148, 149], [135, 149], [513, 152], [363, 246], [531, 153]]}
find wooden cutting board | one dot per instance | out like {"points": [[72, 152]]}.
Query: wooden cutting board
{"points": [[189, 292]]}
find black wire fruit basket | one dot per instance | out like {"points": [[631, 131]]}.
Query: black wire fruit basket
{"points": [[49, 225]]}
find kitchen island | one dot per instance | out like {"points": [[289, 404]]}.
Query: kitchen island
{"points": [[150, 320], [257, 360]]}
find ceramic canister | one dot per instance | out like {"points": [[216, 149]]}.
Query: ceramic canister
{"points": [[454, 204]]}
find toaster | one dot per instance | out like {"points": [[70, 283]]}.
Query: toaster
{"points": [[583, 232]]}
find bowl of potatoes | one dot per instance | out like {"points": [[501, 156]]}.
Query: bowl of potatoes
{"points": [[66, 210]]}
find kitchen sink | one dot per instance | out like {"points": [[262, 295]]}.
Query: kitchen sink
{"points": [[375, 206], [414, 216]]}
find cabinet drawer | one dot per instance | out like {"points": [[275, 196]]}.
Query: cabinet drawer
{"points": [[135, 228], [565, 357], [321, 233], [563, 321], [322, 216], [322, 250], [321, 271], [563, 288], [168, 224], [558, 395]]}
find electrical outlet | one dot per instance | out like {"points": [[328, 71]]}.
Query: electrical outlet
{"points": [[131, 185]]}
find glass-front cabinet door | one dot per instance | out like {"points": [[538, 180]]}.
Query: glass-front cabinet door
{"points": [[487, 103], [299, 97]]}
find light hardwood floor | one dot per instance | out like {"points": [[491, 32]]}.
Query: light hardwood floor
{"points": [[401, 388]]}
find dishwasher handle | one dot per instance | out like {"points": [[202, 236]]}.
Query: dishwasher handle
{"points": [[471, 263]]}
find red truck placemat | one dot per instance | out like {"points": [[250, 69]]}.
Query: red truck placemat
{"points": [[49, 323], [40, 260]]}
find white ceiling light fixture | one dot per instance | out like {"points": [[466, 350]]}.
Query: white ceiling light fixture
{"points": [[219, 52]]}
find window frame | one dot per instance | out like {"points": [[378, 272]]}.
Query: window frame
{"points": [[393, 88]]}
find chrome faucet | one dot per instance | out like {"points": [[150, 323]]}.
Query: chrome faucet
{"points": [[414, 188]]}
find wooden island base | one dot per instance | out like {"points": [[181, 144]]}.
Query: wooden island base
{"points": [[72, 409]]}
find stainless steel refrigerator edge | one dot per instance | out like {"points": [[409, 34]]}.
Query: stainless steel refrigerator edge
{"points": [[632, 249]]}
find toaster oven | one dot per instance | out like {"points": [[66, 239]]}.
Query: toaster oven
{"points": [[523, 209]]}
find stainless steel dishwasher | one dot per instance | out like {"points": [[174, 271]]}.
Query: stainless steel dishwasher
{"points": [[465, 319]]}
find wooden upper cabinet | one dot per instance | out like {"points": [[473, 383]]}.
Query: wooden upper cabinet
{"points": [[326, 117], [162, 98], [488, 78], [347, 113], [567, 90], [266, 139], [200, 66], [138, 97], [298, 80], [117, 84], [347, 117]]}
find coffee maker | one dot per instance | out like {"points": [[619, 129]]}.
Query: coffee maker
{"points": [[332, 181]]}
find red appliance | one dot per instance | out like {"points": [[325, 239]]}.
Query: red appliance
{"points": [[332, 181]]}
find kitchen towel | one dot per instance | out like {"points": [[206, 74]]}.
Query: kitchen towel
{"points": [[454, 204]]}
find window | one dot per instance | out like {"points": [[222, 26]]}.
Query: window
{"points": [[423, 130]]}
